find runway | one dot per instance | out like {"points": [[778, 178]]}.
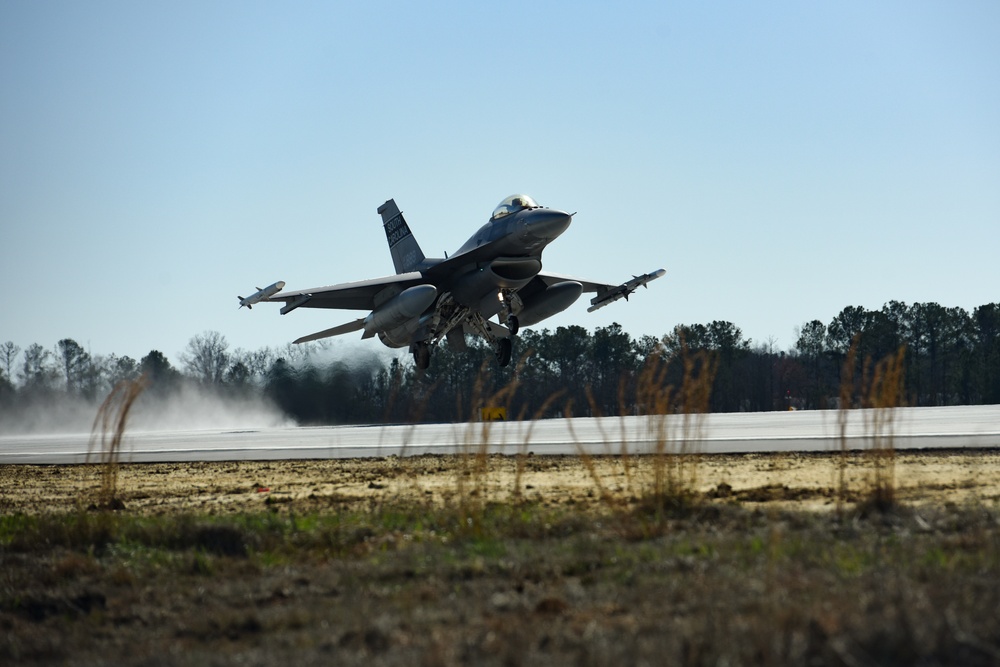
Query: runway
{"points": [[804, 431]]}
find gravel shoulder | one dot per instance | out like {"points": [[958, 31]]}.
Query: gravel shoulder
{"points": [[800, 481]]}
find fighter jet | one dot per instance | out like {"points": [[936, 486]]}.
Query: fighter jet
{"points": [[497, 272]]}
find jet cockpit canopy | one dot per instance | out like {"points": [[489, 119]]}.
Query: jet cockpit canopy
{"points": [[513, 204]]}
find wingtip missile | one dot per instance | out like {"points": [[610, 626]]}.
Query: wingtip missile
{"points": [[624, 290], [262, 294]]}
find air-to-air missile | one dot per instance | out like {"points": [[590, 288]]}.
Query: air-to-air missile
{"points": [[261, 294]]}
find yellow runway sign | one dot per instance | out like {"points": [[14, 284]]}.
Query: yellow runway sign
{"points": [[493, 414]]}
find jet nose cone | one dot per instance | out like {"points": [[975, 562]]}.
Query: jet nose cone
{"points": [[546, 223]]}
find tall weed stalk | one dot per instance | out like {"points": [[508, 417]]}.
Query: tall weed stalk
{"points": [[846, 400], [474, 460], [677, 416], [107, 433], [885, 393], [880, 392]]}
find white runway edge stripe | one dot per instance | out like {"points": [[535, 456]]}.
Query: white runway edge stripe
{"points": [[805, 431]]}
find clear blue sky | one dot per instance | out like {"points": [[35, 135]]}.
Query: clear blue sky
{"points": [[782, 160]]}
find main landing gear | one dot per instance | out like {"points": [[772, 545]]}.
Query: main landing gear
{"points": [[502, 349], [421, 355], [499, 340]]}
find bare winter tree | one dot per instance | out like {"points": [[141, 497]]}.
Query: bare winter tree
{"points": [[8, 357], [206, 357]]}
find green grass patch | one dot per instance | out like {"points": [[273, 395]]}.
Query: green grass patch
{"points": [[537, 583]]}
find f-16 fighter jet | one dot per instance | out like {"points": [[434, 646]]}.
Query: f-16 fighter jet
{"points": [[497, 272]]}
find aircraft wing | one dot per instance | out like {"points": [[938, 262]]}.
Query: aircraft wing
{"points": [[346, 296], [606, 293]]}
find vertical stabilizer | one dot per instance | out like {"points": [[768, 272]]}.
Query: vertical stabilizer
{"points": [[406, 252]]}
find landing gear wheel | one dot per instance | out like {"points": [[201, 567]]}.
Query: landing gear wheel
{"points": [[503, 352], [512, 325], [422, 355]]}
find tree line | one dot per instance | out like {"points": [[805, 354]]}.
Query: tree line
{"points": [[949, 357]]}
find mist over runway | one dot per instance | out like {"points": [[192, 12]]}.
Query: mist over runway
{"points": [[804, 431]]}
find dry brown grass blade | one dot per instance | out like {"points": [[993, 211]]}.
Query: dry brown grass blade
{"points": [[675, 471], [526, 440], [474, 458], [622, 413], [846, 399], [107, 433], [885, 393], [675, 417], [588, 460], [880, 392]]}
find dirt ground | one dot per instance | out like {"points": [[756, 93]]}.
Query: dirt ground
{"points": [[313, 563], [786, 481]]}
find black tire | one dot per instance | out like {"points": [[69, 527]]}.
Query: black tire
{"points": [[513, 325], [422, 356], [504, 348]]}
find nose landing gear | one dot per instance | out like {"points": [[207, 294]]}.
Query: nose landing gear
{"points": [[510, 301]]}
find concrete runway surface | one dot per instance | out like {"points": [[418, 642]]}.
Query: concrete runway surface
{"points": [[910, 428]]}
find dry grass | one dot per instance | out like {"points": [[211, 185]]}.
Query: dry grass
{"points": [[107, 433], [885, 392], [662, 486], [526, 584], [878, 392], [675, 455]]}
